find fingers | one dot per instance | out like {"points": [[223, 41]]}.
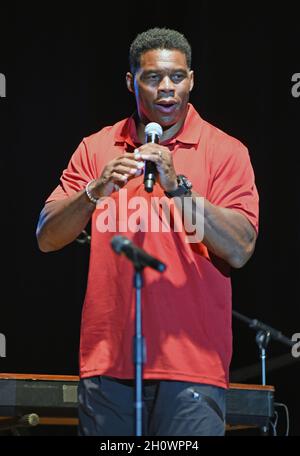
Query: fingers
{"points": [[128, 171], [155, 157], [130, 162], [120, 177], [128, 155], [122, 169], [128, 166], [119, 171], [151, 152], [162, 158]]}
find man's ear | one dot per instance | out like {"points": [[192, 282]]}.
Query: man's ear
{"points": [[191, 80], [130, 82]]}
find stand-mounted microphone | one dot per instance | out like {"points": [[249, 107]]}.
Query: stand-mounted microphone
{"points": [[138, 256]]}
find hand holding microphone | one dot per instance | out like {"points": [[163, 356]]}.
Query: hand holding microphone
{"points": [[158, 160], [115, 175]]}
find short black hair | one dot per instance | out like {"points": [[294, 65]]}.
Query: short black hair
{"points": [[158, 38]]}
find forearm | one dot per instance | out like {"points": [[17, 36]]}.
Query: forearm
{"points": [[227, 233], [62, 221]]}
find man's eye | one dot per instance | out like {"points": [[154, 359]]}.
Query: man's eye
{"points": [[153, 77], [177, 77]]}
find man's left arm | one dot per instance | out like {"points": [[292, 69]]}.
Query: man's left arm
{"points": [[227, 232]]}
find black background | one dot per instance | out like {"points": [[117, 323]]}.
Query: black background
{"points": [[65, 73]]}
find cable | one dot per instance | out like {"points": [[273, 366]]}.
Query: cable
{"points": [[274, 425], [279, 404], [83, 238]]}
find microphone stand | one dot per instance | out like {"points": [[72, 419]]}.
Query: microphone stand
{"points": [[139, 344], [263, 335], [140, 260], [139, 348]]}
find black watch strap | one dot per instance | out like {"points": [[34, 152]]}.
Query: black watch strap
{"points": [[184, 187]]}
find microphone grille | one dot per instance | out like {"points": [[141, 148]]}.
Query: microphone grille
{"points": [[118, 243], [153, 128]]}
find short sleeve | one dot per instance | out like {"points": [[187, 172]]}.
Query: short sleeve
{"points": [[233, 182], [79, 172]]}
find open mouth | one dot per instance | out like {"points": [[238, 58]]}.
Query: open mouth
{"points": [[166, 107]]}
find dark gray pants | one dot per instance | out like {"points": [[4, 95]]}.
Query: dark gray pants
{"points": [[171, 408]]}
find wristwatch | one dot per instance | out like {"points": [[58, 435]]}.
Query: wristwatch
{"points": [[184, 187]]}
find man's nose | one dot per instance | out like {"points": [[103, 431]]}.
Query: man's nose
{"points": [[166, 85]]}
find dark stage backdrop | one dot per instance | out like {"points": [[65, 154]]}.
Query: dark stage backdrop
{"points": [[65, 79]]}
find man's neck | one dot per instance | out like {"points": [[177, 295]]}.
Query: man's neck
{"points": [[167, 134]]}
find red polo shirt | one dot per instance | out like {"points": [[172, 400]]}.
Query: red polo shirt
{"points": [[187, 309]]}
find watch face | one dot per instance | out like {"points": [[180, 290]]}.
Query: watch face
{"points": [[186, 182]]}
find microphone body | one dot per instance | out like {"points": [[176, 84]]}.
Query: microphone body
{"points": [[139, 257], [153, 133]]}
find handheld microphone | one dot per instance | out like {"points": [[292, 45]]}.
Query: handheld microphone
{"points": [[153, 133], [139, 257]]}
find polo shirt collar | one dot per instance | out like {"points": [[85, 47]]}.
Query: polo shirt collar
{"points": [[188, 134]]}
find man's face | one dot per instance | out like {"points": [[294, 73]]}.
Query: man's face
{"points": [[162, 86]]}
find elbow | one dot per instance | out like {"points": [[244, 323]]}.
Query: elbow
{"points": [[237, 262], [45, 248], [47, 239], [241, 256], [43, 236], [43, 242]]}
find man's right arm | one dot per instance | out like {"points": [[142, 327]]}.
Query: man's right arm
{"points": [[61, 221]]}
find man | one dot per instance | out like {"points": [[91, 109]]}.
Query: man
{"points": [[187, 309]]}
